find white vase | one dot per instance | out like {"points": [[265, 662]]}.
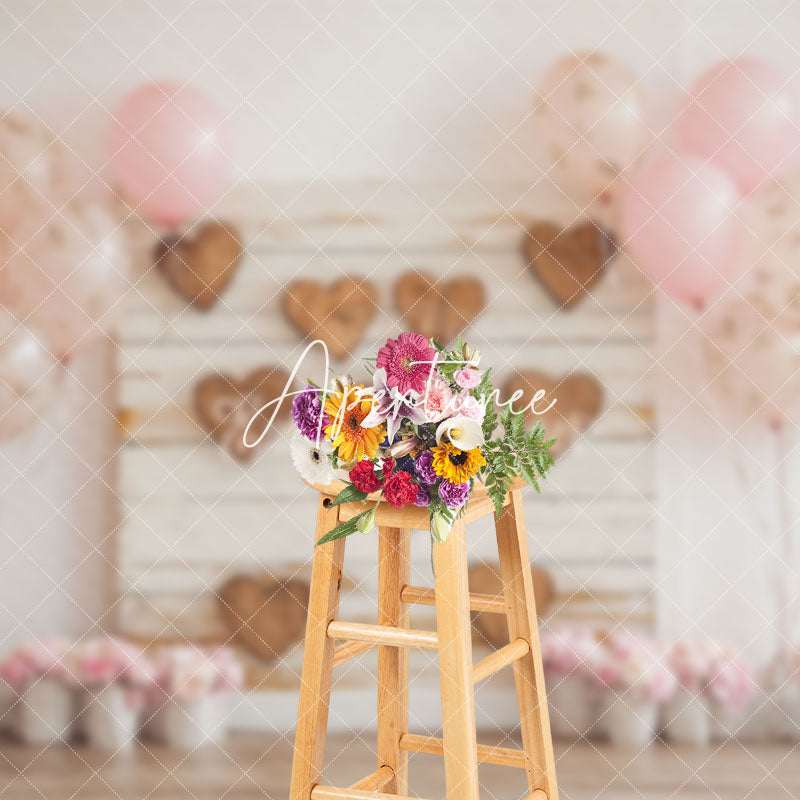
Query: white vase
{"points": [[187, 724], [686, 718], [45, 712], [111, 718], [573, 706], [630, 722]]}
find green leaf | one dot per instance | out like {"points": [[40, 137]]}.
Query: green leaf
{"points": [[348, 495], [344, 528]]}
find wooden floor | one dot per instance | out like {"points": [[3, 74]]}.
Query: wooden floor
{"points": [[258, 767]]}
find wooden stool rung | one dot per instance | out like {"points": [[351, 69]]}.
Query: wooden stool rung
{"points": [[487, 603], [537, 794], [501, 657], [334, 793], [375, 781], [487, 754], [345, 652], [382, 634]]}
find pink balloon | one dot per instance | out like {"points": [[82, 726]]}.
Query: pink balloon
{"points": [[65, 275], [167, 147], [678, 225], [742, 116]]}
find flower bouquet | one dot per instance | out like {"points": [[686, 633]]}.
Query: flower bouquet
{"points": [[422, 434]]}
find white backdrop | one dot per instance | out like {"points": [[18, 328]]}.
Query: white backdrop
{"points": [[350, 90]]}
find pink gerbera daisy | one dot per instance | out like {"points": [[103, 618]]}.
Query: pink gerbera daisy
{"points": [[408, 361]]}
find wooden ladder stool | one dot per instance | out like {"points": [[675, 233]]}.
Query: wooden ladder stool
{"points": [[452, 639]]}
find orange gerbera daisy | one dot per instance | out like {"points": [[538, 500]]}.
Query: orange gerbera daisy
{"points": [[347, 410]]}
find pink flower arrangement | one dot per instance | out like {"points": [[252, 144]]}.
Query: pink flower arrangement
{"points": [[32, 660], [630, 663], [97, 663], [188, 673], [732, 683], [570, 651], [707, 666]]}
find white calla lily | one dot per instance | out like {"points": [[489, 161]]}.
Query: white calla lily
{"points": [[462, 432]]}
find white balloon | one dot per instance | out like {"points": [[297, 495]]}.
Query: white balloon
{"points": [[27, 376]]}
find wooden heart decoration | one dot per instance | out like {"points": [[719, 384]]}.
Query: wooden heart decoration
{"points": [[580, 399], [224, 407], [338, 314], [265, 615], [438, 309], [485, 579], [568, 261], [200, 267]]}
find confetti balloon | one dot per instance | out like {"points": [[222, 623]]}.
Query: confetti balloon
{"points": [[33, 168], [27, 375], [589, 122], [64, 275]]}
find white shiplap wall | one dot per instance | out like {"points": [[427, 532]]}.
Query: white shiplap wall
{"points": [[192, 515]]}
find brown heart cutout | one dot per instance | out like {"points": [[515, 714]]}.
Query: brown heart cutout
{"points": [[568, 261], [485, 579], [200, 267], [579, 400], [338, 314], [224, 407], [438, 309], [266, 616]]}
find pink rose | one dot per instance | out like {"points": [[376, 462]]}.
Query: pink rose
{"points": [[467, 378]]}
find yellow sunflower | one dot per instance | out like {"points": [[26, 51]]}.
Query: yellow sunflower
{"points": [[457, 466], [346, 411]]}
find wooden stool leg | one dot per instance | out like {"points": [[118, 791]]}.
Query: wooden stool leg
{"points": [[393, 575], [515, 570], [315, 686], [455, 666]]}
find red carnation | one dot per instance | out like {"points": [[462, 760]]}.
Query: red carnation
{"points": [[399, 490], [364, 478], [387, 467]]}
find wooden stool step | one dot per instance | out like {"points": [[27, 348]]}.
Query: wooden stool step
{"points": [[376, 781], [332, 793], [486, 603], [382, 634], [393, 638], [501, 657], [487, 754]]}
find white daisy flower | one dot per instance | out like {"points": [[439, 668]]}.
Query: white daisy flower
{"points": [[312, 462]]}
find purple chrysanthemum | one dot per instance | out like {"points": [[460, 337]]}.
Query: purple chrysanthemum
{"points": [[423, 498], [306, 412], [453, 495], [423, 466]]}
